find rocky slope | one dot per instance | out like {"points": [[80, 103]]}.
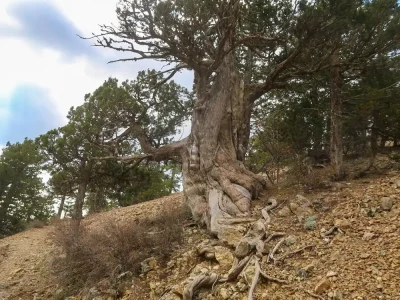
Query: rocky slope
{"points": [[339, 243]]}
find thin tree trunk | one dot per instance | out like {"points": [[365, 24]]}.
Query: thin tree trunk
{"points": [[61, 207], [336, 138], [171, 188], [79, 200], [374, 135]]}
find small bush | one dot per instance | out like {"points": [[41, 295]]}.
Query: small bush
{"points": [[87, 256], [309, 178], [36, 224]]}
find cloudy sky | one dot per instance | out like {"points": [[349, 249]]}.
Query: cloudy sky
{"points": [[45, 68]]}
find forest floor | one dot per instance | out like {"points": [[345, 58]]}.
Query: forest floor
{"points": [[360, 259]]}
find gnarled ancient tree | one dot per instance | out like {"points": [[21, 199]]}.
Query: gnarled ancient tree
{"points": [[238, 51]]}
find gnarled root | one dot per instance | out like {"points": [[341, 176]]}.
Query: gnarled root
{"points": [[199, 282]]}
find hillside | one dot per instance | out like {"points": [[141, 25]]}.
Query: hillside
{"points": [[359, 259]]}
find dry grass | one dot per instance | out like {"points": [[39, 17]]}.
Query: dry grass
{"points": [[36, 224], [88, 256], [310, 179]]}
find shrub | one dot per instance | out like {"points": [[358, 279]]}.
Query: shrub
{"points": [[36, 224], [308, 177], [88, 256]]}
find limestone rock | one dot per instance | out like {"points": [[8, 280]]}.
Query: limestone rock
{"points": [[242, 249], [386, 203], [368, 236], [300, 211], [262, 247], [331, 274], [397, 184], [322, 286], [224, 293], [290, 240], [223, 255], [303, 201], [284, 212], [148, 264], [259, 228], [342, 223]]}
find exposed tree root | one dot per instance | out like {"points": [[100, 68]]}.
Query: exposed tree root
{"points": [[272, 253], [233, 221], [283, 257], [330, 231], [255, 279], [314, 295], [274, 235], [273, 279], [236, 269], [264, 211], [199, 282]]}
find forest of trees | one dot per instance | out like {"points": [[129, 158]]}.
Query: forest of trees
{"points": [[273, 80]]}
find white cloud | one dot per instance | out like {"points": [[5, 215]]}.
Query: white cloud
{"points": [[65, 80], [88, 14]]}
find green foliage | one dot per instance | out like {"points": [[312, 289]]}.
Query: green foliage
{"points": [[22, 197], [113, 121]]}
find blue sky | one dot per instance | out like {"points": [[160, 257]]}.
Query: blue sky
{"points": [[45, 68]]}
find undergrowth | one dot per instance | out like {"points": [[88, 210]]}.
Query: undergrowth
{"points": [[88, 256]]}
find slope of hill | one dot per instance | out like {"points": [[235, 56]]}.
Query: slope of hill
{"points": [[341, 243]]}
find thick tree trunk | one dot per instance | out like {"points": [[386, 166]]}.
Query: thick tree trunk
{"points": [[336, 138], [216, 183], [61, 207]]}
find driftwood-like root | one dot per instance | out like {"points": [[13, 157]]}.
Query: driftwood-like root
{"points": [[274, 235], [273, 279], [272, 253], [314, 295], [236, 269], [255, 279], [283, 257], [199, 282]]}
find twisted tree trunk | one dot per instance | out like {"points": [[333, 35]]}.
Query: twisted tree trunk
{"points": [[216, 183]]}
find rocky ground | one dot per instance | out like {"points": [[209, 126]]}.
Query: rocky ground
{"points": [[338, 243]]}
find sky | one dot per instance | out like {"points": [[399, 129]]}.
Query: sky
{"points": [[45, 68]]}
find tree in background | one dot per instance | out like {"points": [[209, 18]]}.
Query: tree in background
{"points": [[106, 126], [22, 197]]}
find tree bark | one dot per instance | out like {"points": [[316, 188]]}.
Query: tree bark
{"points": [[216, 183], [80, 198], [336, 138], [61, 207]]}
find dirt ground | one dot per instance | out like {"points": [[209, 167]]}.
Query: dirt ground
{"points": [[359, 261]]}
